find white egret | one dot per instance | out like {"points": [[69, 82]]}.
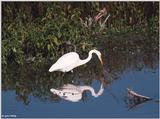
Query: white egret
{"points": [[73, 93], [69, 61]]}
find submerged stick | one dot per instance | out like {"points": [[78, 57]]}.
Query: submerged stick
{"points": [[134, 99], [132, 93]]}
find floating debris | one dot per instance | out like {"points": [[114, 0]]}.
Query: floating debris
{"points": [[134, 99]]}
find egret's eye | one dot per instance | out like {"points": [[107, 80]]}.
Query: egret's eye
{"points": [[72, 93], [64, 93]]}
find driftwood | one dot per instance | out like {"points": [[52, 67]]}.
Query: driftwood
{"points": [[134, 99], [134, 94]]}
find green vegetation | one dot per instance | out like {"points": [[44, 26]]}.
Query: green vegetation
{"points": [[33, 79], [42, 31], [36, 34]]}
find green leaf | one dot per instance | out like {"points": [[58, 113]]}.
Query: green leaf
{"points": [[14, 49], [49, 47], [59, 34], [55, 40]]}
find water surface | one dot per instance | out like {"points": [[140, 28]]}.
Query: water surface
{"points": [[26, 90]]}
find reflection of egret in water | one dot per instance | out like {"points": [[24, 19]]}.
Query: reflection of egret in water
{"points": [[71, 60], [74, 93]]}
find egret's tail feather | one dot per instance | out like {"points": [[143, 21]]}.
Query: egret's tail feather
{"points": [[53, 68]]}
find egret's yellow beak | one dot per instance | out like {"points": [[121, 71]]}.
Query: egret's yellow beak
{"points": [[101, 60]]}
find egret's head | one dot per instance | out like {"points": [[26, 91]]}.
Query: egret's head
{"points": [[98, 54]]}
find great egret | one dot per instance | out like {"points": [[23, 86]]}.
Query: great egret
{"points": [[69, 61], [73, 93]]}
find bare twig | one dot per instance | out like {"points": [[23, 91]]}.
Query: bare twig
{"points": [[134, 94], [134, 99], [103, 24]]}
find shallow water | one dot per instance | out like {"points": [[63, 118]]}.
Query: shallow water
{"points": [[145, 82], [25, 90]]}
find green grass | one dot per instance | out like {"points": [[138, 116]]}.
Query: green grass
{"points": [[59, 30]]}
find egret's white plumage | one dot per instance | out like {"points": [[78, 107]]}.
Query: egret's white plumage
{"points": [[73, 93], [69, 61]]}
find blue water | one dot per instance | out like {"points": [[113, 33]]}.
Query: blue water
{"points": [[145, 82]]}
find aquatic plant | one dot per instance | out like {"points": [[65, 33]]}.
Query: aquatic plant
{"points": [[39, 31]]}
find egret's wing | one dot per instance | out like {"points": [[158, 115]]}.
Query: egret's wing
{"points": [[69, 86], [66, 60]]}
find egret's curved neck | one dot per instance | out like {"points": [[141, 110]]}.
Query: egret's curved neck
{"points": [[83, 88], [81, 62]]}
